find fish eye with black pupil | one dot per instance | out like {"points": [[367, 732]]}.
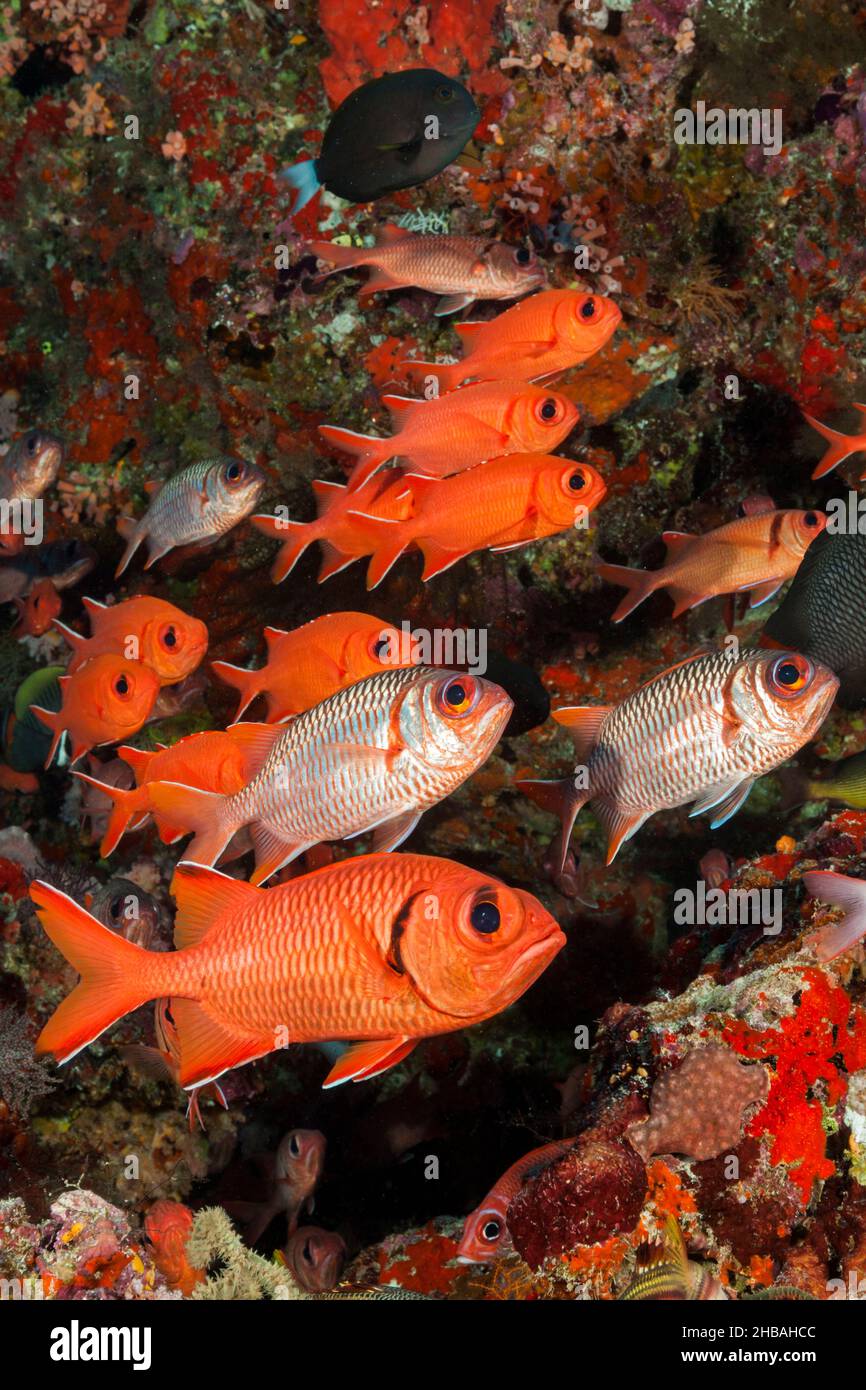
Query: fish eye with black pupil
{"points": [[548, 410], [32, 441], [294, 1146], [491, 1230], [523, 257], [587, 310], [233, 472], [121, 685], [810, 519], [576, 482], [115, 908], [170, 637], [485, 918]]}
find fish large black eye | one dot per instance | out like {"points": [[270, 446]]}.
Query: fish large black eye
{"points": [[491, 1230], [458, 695], [307, 1252], [169, 637], [234, 471], [790, 674], [485, 918], [294, 1146], [587, 309], [523, 257], [32, 443], [115, 908], [444, 93], [576, 482], [121, 686], [810, 519], [548, 410]]}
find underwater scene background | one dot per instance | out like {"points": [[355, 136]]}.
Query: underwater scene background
{"points": [[460, 1056]]}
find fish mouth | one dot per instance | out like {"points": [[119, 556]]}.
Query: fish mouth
{"points": [[538, 955]]}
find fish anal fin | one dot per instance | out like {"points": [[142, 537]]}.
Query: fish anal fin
{"points": [[684, 599], [762, 592], [620, 825], [136, 758], [364, 1060], [273, 850], [208, 1047]]}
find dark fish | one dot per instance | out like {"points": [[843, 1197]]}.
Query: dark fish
{"points": [[127, 909], [25, 738], [823, 614], [315, 1257], [531, 700], [63, 562], [394, 132]]}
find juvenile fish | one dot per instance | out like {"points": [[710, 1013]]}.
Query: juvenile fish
{"points": [[757, 553], [460, 268], [451, 433], [195, 507], [702, 731], [157, 633], [372, 757], [381, 951]]}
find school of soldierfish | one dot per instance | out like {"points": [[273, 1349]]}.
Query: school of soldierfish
{"points": [[380, 950]]}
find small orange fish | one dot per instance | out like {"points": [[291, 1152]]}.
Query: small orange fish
{"points": [[535, 340], [315, 1257], [842, 446], [213, 760], [107, 700], [167, 1226], [758, 552], [141, 629], [37, 611], [382, 950], [499, 505], [460, 268], [294, 1174], [485, 1230], [385, 494], [449, 433], [311, 662]]}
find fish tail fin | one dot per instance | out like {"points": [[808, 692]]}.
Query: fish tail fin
{"points": [[295, 537], [133, 533], [447, 375], [246, 683], [387, 540], [639, 583], [305, 181], [341, 257], [113, 981], [202, 813], [560, 798], [53, 720], [125, 804], [841, 447], [840, 891], [370, 451]]}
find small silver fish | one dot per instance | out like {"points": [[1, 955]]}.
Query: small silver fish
{"points": [[195, 507]]}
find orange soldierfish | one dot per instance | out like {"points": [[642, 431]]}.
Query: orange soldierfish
{"points": [[214, 760], [195, 507], [842, 446], [702, 731], [37, 611], [758, 552], [107, 700], [141, 629], [461, 268], [294, 1173], [310, 663], [372, 757], [498, 505], [453, 432], [536, 339], [385, 494], [380, 951], [485, 1231]]}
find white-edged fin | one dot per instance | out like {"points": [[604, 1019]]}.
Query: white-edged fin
{"points": [[452, 304], [762, 593], [840, 891], [724, 800]]}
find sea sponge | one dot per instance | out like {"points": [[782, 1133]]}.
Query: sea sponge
{"points": [[698, 1108]]}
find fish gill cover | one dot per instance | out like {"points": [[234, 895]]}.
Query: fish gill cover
{"points": [[354, 360]]}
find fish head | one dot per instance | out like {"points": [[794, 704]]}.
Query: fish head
{"points": [[540, 419], [43, 606], [471, 945], [444, 106], [125, 908], [300, 1160], [235, 485], [372, 645], [515, 270], [120, 693], [315, 1257], [783, 698], [33, 462], [565, 492], [799, 529], [173, 643], [485, 1232], [452, 719], [587, 321]]}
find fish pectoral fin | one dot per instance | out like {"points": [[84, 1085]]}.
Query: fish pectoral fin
{"points": [[371, 976], [452, 304], [620, 825], [208, 1047], [724, 800], [393, 832], [762, 592], [364, 1060]]}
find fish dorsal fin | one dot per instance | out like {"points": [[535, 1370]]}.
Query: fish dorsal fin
{"points": [[203, 897], [391, 233], [255, 742], [272, 635], [676, 542], [468, 332], [686, 661], [93, 606], [583, 723], [397, 406], [136, 758], [419, 486]]}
